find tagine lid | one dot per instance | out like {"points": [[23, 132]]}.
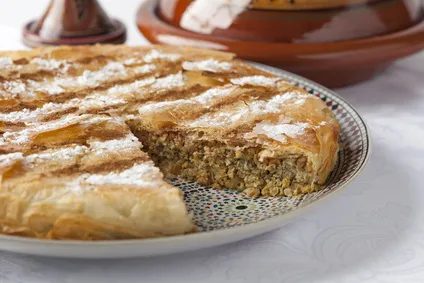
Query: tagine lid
{"points": [[73, 22]]}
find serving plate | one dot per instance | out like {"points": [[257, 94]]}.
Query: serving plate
{"points": [[225, 216]]}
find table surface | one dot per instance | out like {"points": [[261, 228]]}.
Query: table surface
{"points": [[372, 232]]}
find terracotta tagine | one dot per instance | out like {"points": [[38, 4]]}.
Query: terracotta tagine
{"points": [[334, 42], [73, 22]]}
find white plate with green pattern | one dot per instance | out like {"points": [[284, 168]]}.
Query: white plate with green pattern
{"points": [[225, 216]]}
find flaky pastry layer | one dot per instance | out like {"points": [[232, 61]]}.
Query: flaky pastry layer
{"points": [[72, 168]]}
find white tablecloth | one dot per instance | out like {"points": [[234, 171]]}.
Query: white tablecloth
{"points": [[372, 232]]}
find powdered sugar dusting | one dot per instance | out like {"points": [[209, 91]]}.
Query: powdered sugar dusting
{"points": [[94, 101], [19, 116], [277, 102], [253, 108], [163, 105], [18, 138], [211, 95], [154, 55], [206, 100], [49, 87], [132, 61], [88, 78], [98, 102], [51, 64], [144, 69], [90, 119], [24, 136], [280, 131], [5, 62], [256, 81], [171, 81], [7, 160], [58, 85], [210, 65], [6, 95], [128, 117], [144, 175], [63, 154], [92, 78], [15, 87], [300, 101], [127, 144], [132, 87]]}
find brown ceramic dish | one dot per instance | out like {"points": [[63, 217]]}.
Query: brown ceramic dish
{"points": [[334, 64], [73, 22], [280, 21], [305, 4]]}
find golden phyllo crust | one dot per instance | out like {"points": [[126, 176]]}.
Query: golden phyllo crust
{"points": [[88, 133]]}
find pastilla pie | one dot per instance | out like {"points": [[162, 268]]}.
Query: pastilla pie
{"points": [[87, 135]]}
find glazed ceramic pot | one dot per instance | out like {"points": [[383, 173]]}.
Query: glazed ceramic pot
{"points": [[297, 21], [326, 44], [73, 22]]}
